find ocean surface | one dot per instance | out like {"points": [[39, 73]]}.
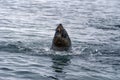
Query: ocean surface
{"points": [[27, 28]]}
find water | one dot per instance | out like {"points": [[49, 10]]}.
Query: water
{"points": [[27, 28]]}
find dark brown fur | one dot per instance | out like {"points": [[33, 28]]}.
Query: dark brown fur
{"points": [[61, 40]]}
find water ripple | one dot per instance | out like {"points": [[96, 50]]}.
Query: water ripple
{"points": [[27, 29]]}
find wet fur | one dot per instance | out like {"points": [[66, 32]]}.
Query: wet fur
{"points": [[61, 40]]}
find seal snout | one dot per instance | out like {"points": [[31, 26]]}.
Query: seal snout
{"points": [[59, 31], [59, 28]]}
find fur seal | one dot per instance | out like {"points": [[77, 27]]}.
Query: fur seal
{"points": [[61, 40]]}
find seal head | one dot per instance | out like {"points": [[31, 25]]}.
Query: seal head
{"points": [[61, 40]]}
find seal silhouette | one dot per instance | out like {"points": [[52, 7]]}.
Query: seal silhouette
{"points": [[61, 40]]}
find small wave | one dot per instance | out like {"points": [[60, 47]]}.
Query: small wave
{"points": [[117, 26], [37, 50], [36, 65], [14, 47], [53, 77], [107, 28], [24, 72], [5, 69], [28, 74]]}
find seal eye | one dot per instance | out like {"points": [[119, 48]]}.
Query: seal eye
{"points": [[64, 35], [57, 31]]}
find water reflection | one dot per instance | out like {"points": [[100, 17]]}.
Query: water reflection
{"points": [[59, 64]]}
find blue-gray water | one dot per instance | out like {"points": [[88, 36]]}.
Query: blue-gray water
{"points": [[27, 28]]}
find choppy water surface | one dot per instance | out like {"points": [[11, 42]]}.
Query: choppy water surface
{"points": [[26, 32]]}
